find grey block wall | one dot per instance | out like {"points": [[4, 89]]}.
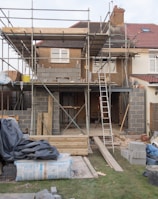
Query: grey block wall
{"points": [[56, 115], [58, 74], [40, 105], [136, 114], [24, 118]]}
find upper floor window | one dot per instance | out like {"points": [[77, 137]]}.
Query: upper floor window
{"points": [[153, 58], [104, 66], [60, 55]]}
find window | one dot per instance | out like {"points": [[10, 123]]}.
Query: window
{"points": [[105, 66], [59, 55], [153, 58], [145, 29]]}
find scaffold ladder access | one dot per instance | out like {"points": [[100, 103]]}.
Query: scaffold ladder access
{"points": [[105, 111]]}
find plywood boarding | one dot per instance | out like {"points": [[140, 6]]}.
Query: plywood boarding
{"points": [[75, 145], [50, 114], [39, 124], [106, 154], [82, 168], [44, 120], [154, 117], [46, 130]]}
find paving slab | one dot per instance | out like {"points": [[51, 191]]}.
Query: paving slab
{"points": [[17, 195]]}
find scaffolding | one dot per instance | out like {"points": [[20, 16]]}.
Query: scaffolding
{"points": [[24, 41]]}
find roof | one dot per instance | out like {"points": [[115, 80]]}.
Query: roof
{"points": [[143, 35], [150, 78]]}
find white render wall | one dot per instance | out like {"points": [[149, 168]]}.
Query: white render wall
{"points": [[140, 64]]}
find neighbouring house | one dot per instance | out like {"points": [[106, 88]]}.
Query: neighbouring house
{"points": [[65, 93], [145, 68]]}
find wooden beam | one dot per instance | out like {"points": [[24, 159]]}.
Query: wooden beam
{"points": [[9, 116], [50, 115], [73, 144], [42, 31], [123, 50], [39, 124], [107, 155], [91, 168]]}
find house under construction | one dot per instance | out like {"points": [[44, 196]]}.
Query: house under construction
{"points": [[77, 77]]}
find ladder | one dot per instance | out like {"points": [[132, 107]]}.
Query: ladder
{"points": [[105, 111]]}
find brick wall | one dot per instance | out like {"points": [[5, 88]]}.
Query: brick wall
{"points": [[136, 114]]}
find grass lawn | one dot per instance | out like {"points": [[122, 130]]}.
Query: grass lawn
{"points": [[130, 184]]}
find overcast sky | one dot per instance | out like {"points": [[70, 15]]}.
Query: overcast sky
{"points": [[136, 11]]}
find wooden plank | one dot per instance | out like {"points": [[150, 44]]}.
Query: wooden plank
{"points": [[41, 31], [50, 114], [61, 138], [10, 116], [124, 117], [107, 155], [73, 144], [91, 168], [39, 124], [80, 168], [45, 124], [69, 144], [74, 151]]}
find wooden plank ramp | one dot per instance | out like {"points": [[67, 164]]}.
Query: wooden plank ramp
{"points": [[72, 144], [107, 155]]}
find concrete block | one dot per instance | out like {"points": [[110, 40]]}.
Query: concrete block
{"points": [[138, 154], [44, 194], [53, 190], [136, 161], [125, 153], [137, 146]]}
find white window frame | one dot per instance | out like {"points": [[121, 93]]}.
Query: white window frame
{"points": [[106, 67], [153, 63], [60, 55]]}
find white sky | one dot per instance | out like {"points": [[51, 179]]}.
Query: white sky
{"points": [[136, 11]]}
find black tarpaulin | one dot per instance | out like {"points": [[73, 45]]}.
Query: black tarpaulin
{"points": [[14, 146]]}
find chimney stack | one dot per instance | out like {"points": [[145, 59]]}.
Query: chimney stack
{"points": [[117, 16]]}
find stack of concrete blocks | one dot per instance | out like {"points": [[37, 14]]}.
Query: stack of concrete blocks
{"points": [[135, 153]]}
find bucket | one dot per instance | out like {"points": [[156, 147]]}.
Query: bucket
{"points": [[26, 78]]}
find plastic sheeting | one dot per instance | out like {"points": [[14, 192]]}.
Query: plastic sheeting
{"points": [[14, 146], [44, 169], [152, 151], [4, 79]]}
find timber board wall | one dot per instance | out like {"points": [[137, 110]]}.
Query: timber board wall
{"points": [[153, 117]]}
